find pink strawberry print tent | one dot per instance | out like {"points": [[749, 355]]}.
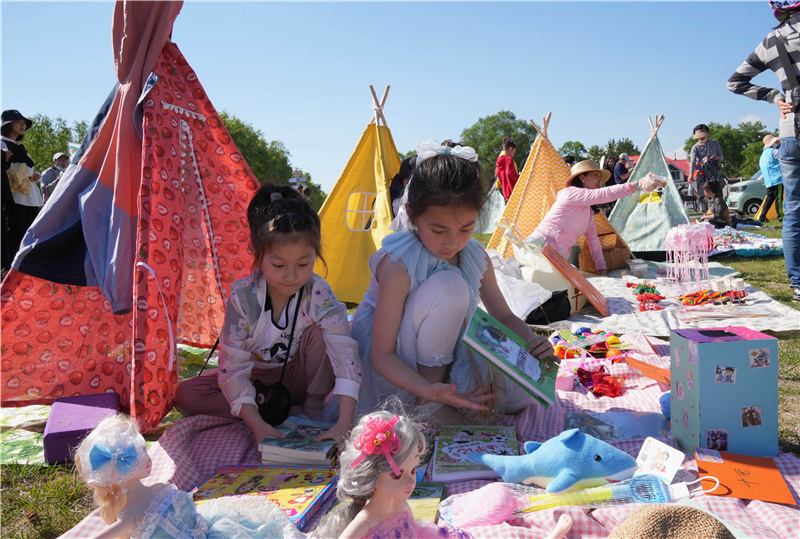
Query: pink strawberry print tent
{"points": [[138, 246]]}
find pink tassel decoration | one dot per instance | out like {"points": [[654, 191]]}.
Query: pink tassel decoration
{"points": [[687, 249]]}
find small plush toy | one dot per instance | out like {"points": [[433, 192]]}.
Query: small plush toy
{"points": [[571, 460]]}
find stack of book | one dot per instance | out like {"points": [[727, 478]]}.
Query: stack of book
{"points": [[455, 442], [298, 447]]}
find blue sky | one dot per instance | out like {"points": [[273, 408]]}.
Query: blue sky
{"points": [[300, 72]]}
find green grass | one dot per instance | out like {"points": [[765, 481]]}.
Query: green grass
{"points": [[45, 502]]}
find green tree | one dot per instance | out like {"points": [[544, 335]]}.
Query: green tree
{"points": [[596, 152], [616, 147], [269, 161], [734, 142], [487, 133], [575, 149], [47, 136], [750, 157], [404, 156]]}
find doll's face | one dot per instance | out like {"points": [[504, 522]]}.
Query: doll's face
{"points": [[400, 487]]}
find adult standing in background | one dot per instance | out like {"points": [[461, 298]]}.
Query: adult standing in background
{"points": [[506, 168], [621, 172], [704, 161], [766, 57], [771, 170], [53, 174], [21, 203]]}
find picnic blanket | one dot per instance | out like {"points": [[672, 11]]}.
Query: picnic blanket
{"points": [[194, 448], [624, 315], [732, 241]]}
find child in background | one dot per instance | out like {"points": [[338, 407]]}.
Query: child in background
{"points": [[771, 170], [572, 214], [426, 283], [506, 168], [282, 312], [717, 213]]}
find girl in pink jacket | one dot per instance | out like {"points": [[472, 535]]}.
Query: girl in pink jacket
{"points": [[572, 215]]}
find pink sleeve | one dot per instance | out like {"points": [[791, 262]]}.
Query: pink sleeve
{"points": [[594, 246], [578, 196]]}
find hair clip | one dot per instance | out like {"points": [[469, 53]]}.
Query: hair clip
{"points": [[431, 148], [275, 196], [123, 459], [378, 438]]}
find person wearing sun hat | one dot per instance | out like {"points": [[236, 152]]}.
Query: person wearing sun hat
{"points": [[19, 205], [771, 170], [704, 160], [766, 56], [572, 216]]}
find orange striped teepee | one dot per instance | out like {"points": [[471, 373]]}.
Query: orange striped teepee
{"points": [[543, 175]]}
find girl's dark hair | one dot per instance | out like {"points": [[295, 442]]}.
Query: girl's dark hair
{"points": [[714, 186], [6, 132], [281, 219], [508, 144], [701, 127], [783, 16], [445, 180]]}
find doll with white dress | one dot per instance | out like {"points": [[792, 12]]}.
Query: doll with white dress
{"points": [[113, 460]]}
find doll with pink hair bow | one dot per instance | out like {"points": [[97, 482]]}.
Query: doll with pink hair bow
{"points": [[377, 475]]}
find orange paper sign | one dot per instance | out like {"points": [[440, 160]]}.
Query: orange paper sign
{"points": [[651, 371], [574, 276], [742, 476]]}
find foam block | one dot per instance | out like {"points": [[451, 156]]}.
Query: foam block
{"points": [[71, 419]]}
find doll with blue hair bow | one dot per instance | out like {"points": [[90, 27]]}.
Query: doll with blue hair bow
{"points": [[113, 461]]}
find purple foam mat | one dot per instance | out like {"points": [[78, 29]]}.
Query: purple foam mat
{"points": [[71, 419]]}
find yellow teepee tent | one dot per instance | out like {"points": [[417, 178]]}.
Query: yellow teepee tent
{"points": [[543, 175], [357, 213]]}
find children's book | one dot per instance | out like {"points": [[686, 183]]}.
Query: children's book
{"points": [[455, 442], [618, 425], [580, 341], [506, 350], [299, 447], [300, 492], [424, 500], [742, 476]]}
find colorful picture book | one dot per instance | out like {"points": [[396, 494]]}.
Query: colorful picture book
{"points": [[574, 276], [618, 425], [506, 350], [424, 500], [742, 476], [298, 447], [300, 492], [580, 341], [455, 442]]}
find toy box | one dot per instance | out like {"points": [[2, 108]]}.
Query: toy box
{"points": [[71, 419], [724, 390]]}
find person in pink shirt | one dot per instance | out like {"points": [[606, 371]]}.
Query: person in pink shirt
{"points": [[572, 214]]}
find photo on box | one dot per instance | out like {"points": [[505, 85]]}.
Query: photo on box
{"points": [[717, 439], [708, 455], [689, 380], [751, 416], [685, 418], [759, 358], [679, 390], [678, 357], [693, 352], [725, 375]]}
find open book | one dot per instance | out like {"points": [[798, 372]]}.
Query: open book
{"points": [[506, 350]]}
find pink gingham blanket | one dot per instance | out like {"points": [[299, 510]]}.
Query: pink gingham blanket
{"points": [[192, 449]]}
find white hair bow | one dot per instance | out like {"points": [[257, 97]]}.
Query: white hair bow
{"points": [[431, 148]]}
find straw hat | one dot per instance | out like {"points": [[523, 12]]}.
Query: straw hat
{"points": [[769, 140], [584, 166], [667, 521]]}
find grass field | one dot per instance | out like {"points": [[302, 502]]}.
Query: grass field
{"points": [[45, 502]]}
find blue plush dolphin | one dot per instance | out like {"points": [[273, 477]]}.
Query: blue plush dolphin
{"points": [[571, 460]]}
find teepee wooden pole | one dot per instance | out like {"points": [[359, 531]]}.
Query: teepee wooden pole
{"points": [[378, 106]]}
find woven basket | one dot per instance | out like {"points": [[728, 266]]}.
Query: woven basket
{"points": [[615, 257]]}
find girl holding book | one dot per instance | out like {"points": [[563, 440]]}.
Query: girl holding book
{"points": [[281, 317], [427, 279]]}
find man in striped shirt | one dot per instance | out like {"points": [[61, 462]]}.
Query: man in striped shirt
{"points": [[763, 58]]}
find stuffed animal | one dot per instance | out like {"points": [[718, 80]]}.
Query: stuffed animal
{"points": [[571, 460]]}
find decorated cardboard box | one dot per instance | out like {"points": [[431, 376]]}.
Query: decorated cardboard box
{"points": [[724, 390]]}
